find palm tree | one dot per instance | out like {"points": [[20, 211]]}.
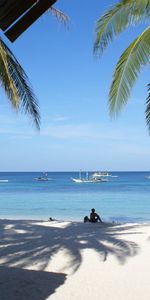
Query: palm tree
{"points": [[16, 85], [15, 81], [137, 55]]}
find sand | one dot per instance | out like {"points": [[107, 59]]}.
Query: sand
{"points": [[42, 260]]}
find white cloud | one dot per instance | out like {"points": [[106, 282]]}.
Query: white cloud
{"points": [[86, 130], [59, 119]]}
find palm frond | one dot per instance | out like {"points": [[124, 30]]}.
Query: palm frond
{"points": [[60, 16], [6, 79], [127, 69], [147, 110], [117, 19], [16, 85]]}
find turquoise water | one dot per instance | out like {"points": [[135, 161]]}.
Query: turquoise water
{"points": [[124, 198]]}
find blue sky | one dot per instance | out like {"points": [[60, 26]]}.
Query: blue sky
{"points": [[72, 88]]}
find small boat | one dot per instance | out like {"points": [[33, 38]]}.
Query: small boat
{"points": [[147, 177], [91, 179], [42, 178], [3, 180]]}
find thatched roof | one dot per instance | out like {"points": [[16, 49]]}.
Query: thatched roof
{"points": [[17, 15]]}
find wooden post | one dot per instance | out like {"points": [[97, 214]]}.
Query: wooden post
{"points": [[12, 10], [28, 19]]}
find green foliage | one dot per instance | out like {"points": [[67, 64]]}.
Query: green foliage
{"points": [[15, 82], [127, 69], [117, 19], [147, 110], [112, 23], [16, 85]]}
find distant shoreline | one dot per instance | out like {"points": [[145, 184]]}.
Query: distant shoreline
{"points": [[77, 171]]}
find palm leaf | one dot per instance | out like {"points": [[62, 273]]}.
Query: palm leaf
{"points": [[117, 19], [16, 85], [60, 16], [6, 79], [127, 69], [147, 110]]}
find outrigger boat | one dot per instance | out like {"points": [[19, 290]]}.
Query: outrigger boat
{"points": [[42, 178], [92, 179]]}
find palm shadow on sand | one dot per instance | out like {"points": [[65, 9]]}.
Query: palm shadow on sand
{"points": [[21, 284], [28, 243]]}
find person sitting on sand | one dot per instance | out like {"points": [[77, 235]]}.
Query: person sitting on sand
{"points": [[94, 217]]}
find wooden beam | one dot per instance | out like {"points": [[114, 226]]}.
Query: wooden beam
{"points": [[28, 19], [5, 7], [11, 11]]}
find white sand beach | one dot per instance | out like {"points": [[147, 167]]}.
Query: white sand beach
{"points": [[71, 260]]}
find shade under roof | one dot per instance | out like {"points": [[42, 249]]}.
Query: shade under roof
{"points": [[17, 15]]}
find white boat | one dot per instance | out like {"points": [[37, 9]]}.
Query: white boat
{"points": [[103, 174], [3, 180], [78, 180], [91, 179], [42, 178], [147, 177]]}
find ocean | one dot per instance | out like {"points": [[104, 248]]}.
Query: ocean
{"points": [[125, 198]]}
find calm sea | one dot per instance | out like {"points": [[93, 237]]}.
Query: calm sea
{"points": [[123, 198]]}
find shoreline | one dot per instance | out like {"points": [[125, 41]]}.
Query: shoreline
{"points": [[112, 221], [74, 260]]}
